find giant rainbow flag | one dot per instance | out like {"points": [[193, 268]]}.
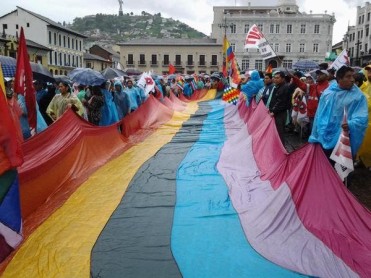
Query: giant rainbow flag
{"points": [[184, 188]]}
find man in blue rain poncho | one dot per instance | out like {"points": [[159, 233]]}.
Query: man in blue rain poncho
{"points": [[340, 96], [252, 87], [109, 110]]}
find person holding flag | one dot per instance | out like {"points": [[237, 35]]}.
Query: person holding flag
{"points": [[328, 122]]}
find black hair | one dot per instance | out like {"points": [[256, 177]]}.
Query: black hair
{"points": [[269, 75], [359, 78], [280, 73], [342, 71]]}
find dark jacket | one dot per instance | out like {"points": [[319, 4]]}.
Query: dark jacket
{"points": [[281, 99]]}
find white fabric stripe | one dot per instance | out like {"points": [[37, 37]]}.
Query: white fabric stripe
{"points": [[269, 217], [11, 237]]}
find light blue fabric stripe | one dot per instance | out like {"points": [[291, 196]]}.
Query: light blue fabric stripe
{"points": [[207, 238]]}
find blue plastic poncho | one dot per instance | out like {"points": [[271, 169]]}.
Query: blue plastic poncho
{"points": [[109, 110], [329, 117], [252, 87], [122, 101]]}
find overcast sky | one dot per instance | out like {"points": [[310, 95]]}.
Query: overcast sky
{"points": [[196, 13]]}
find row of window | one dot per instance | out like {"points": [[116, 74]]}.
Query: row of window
{"points": [[63, 59], [178, 59], [65, 41], [361, 18], [245, 64], [288, 48], [276, 28]]}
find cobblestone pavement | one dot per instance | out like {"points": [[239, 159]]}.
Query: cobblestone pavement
{"points": [[361, 179]]}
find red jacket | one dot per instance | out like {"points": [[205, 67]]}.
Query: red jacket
{"points": [[313, 94]]}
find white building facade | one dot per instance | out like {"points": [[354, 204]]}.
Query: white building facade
{"points": [[293, 35], [67, 45], [358, 38]]}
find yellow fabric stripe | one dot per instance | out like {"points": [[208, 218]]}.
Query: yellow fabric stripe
{"points": [[61, 246]]}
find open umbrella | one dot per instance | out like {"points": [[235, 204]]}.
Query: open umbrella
{"points": [[305, 65], [111, 73], [8, 65], [132, 71], [62, 78], [41, 73], [86, 76]]}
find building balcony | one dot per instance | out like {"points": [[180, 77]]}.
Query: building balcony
{"points": [[190, 64], [154, 64], [202, 64], [130, 64], [142, 64]]}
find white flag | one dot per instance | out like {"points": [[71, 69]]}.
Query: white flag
{"points": [[256, 39], [341, 60], [146, 83], [342, 154]]}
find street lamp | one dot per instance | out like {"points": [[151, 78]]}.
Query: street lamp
{"points": [[224, 24]]}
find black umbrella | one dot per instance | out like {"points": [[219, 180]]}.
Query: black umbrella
{"points": [[41, 73], [62, 78], [132, 71], [111, 73]]}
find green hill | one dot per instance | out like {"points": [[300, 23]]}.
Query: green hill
{"points": [[117, 28]]}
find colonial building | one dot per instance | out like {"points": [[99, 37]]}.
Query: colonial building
{"points": [[67, 46], [358, 38], [37, 52], [106, 53], [292, 34], [187, 55], [96, 62]]}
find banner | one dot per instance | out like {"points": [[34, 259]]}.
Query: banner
{"points": [[256, 39], [146, 83], [341, 60]]}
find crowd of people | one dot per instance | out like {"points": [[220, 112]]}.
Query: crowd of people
{"points": [[314, 106], [100, 105]]}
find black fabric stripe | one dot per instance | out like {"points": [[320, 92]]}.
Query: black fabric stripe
{"points": [[136, 240]]}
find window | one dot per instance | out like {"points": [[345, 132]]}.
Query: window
{"points": [[55, 58], [247, 28], [202, 61], [64, 41], [287, 64], [50, 37], [367, 30], [363, 18], [73, 60], [245, 64], [233, 46], [190, 60], [258, 64], [80, 45], [50, 58], [166, 60], [302, 47], [277, 29], [16, 26], [315, 47], [214, 60], [5, 26], [28, 24], [69, 59], [88, 65], [302, 28], [60, 59], [271, 28], [130, 60], [289, 29], [55, 38], [288, 47], [64, 59], [142, 59], [178, 60], [368, 16], [316, 29], [76, 46], [154, 59], [73, 43], [233, 28], [276, 47], [260, 26], [359, 20]]}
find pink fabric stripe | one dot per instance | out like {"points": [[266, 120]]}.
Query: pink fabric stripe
{"points": [[269, 217], [325, 207]]}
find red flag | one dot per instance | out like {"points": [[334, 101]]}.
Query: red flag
{"points": [[171, 69], [23, 81], [11, 154]]}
